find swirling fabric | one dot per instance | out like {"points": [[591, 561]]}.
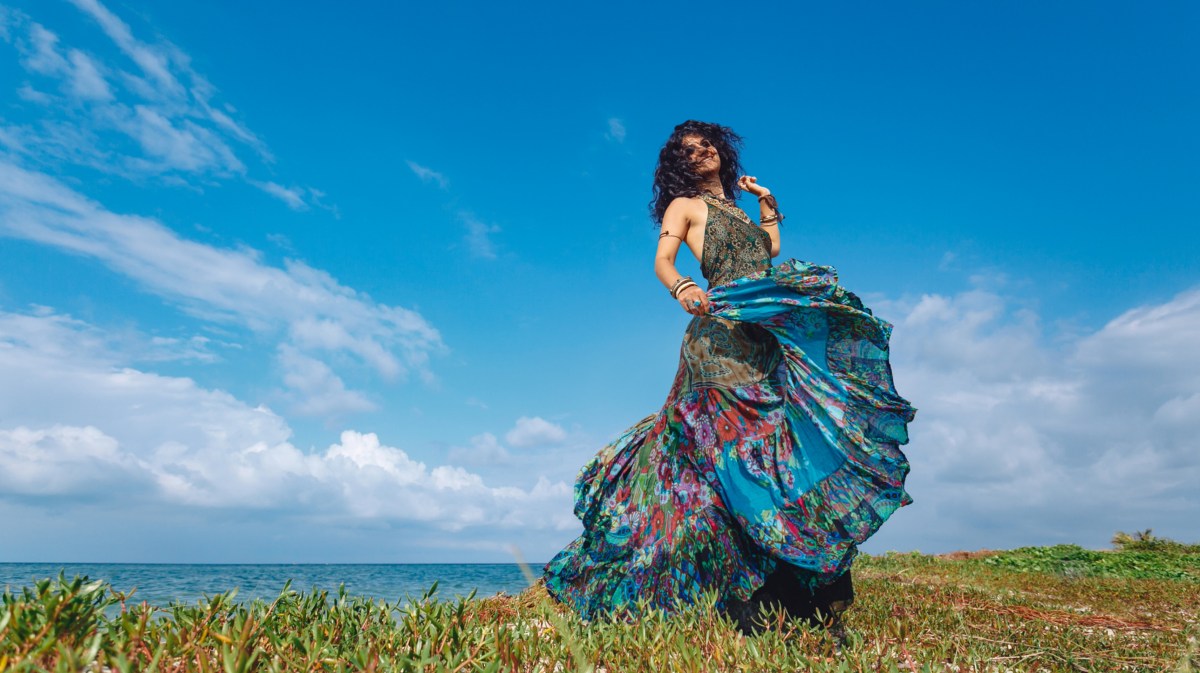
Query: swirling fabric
{"points": [[800, 464]]}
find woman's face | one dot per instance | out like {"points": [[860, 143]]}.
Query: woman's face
{"points": [[702, 154]]}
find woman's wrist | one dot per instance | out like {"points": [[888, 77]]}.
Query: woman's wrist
{"points": [[769, 208], [681, 284]]}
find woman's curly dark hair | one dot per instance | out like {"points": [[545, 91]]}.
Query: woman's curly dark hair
{"points": [[674, 175]]}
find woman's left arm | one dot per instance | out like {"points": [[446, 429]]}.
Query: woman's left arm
{"points": [[768, 210]]}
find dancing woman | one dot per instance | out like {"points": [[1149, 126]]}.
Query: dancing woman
{"points": [[777, 451]]}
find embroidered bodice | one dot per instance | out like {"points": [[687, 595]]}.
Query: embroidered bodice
{"points": [[733, 246]]}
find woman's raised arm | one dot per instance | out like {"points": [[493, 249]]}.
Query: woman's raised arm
{"points": [[769, 215]]}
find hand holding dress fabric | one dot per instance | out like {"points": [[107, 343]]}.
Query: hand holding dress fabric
{"points": [[694, 300]]}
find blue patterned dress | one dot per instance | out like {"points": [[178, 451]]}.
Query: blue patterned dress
{"points": [[779, 442]]}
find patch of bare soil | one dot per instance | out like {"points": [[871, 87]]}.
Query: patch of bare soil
{"points": [[964, 555]]}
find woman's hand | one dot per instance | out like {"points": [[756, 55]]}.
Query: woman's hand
{"points": [[749, 183], [694, 300]]}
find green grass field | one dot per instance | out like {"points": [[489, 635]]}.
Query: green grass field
{"points": [[1059, 608]]}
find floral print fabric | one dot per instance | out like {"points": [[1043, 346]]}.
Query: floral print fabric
{"points": [[798, 464]]}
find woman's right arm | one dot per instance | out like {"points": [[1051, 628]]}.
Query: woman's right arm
{"points": [[675, 227]]}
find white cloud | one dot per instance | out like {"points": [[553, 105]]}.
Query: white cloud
{"points": [[483, 449], [47, 329], [172, 144], [154, 62], [163, 107], [28, 93], [42, 54], [329, 334], [223, 285], [6, 19], [616, 130], [82, 426], [534, 431], [479, 236], [80, 75], [86, 81], [1020, 439], [317, 390], [292, 196], [62, 461], [55, 141], [305, 305], [428, 175], [161, 349]]}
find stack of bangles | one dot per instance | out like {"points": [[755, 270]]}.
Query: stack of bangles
{"points": [[682, 284], [770, 220]]}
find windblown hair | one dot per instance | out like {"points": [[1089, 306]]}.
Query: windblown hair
{"points": [[674, 176]]}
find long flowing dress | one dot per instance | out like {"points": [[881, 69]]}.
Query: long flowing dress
{"points": [[778, 444]]}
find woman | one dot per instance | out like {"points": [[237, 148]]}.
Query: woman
{"points": [[777, 451]]}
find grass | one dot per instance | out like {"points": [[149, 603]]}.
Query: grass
{"points": [[1059, 608]]}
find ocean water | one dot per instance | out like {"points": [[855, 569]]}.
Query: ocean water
{"points": [[164, 583]]}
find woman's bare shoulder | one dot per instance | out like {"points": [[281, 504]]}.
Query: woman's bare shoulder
{"points": [[687, 206]]}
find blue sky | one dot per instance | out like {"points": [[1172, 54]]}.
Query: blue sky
{"points": [[302, 282]]}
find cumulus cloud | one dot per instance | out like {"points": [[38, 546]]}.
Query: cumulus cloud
{"points": [[81, 425], [226, 285], [90, 422], [1023, 438], [62, 461], [534, 431]]}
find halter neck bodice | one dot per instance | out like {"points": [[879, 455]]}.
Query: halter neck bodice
{"points": [[733, 246]]}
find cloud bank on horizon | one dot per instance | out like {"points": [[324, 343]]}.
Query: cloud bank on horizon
{"points": [[157, 413], [172, 441]]}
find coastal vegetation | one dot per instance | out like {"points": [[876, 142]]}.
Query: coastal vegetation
{"points": [[1059, 608]]}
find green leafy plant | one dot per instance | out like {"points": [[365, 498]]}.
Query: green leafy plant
{"points": [[1145, 540]]}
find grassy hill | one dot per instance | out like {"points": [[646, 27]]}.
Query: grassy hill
{"points": [[1061, 608]]}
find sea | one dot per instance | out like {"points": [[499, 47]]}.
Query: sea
{"points": [[161, 584]]}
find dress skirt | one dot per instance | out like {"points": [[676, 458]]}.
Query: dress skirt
{"points": [[778, 444]]}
